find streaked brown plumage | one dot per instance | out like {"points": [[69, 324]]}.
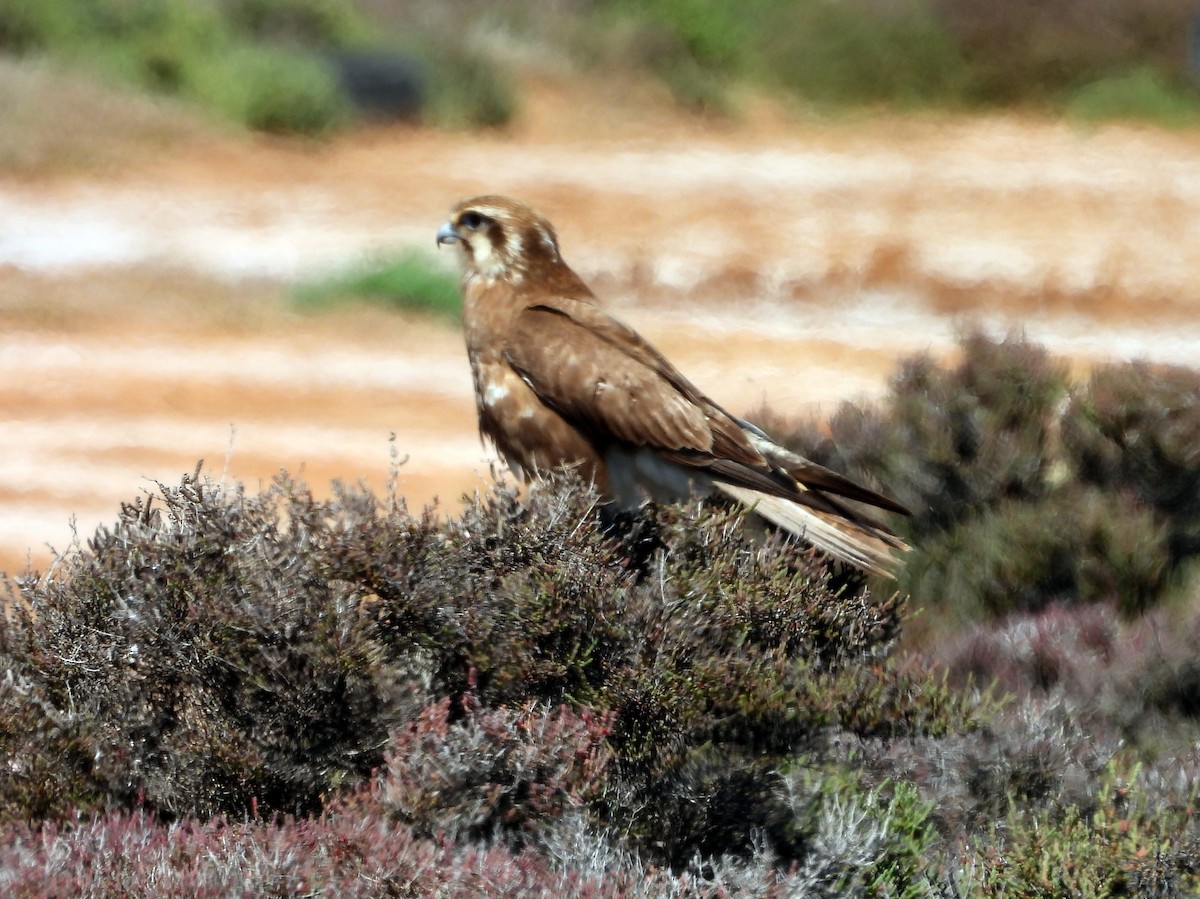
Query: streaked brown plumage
{"points": [[559, 382]]}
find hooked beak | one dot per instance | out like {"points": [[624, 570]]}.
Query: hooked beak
{"points": [[447, 234]]}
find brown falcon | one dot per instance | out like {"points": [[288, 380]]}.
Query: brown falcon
{"points": [[559, 382]]}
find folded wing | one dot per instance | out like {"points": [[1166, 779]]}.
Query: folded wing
{"points": [[616, 388]]}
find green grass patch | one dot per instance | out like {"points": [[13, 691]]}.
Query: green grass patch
{"points": [[412, 281]]}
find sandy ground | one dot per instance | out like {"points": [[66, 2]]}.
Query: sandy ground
{"points": [[146, 321]]}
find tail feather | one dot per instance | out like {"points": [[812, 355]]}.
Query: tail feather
{"points": [[864, 543]]}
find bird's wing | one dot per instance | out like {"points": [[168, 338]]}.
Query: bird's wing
{"points": [[814, 476], [609, 382], [606, 380]]}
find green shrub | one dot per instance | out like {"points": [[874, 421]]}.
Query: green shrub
{"points": [[1027, 489], [622, 39], [1143, 94], [1028, 51], [916, 52], [466, 88], [1022, 556], [716, 34], [30, 25], [152, 44], [255, 63], [829, 54], [853, 53], [321, 24], [269, 89], [413, 281], [1121, 58], [1136, 428], [1122, 847], [862, 840]]}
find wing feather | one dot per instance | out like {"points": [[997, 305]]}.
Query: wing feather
{"points": [[601, 375], [606, 379], [817, 477]]}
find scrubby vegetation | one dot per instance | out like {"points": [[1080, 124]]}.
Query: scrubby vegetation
{"points": [[228, 693], [295, 66], [202, 52], [998, 453], [272, 65], [1119, 58]]}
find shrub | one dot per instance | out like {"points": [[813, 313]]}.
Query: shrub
{"points": [[156, 45], [856, 53], [1022, 556], [1027, 489], [1121, 847], [204, 680], [1127, 681], [1045, 801], [1143, 94], [1023, 50], [829, 54], [533, 698], [861, 840], [692, 84], [490, 772], [346, 854], [310, 23], [268, 89], [465, 88], [1136, 428], [256, 61], [226, 654], [715, 34], [915, 52], [949, 442], [27, 26]]}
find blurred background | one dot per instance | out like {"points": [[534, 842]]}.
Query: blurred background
{"points": [[217, 217]]}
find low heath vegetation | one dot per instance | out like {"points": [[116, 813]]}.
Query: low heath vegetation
{"points": [[225, 693]]}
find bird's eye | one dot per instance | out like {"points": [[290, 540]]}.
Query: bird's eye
{"points": [[472, 221]]}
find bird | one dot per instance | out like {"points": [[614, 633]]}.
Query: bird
{"points": [[561, 383]]}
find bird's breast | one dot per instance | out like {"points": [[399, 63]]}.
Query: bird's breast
{"points": [[531, 437]]}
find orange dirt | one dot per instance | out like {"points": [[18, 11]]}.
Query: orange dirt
{"points": [[146, 322]]}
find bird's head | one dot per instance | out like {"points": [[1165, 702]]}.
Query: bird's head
{"points": [[500, 238]]}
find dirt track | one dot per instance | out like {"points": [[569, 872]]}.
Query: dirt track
{"points": [[146, 325]]}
